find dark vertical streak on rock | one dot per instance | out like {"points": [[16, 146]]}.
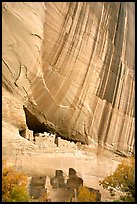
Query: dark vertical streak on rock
{"points": [[117, 85], [115, 37], [121, 90]]}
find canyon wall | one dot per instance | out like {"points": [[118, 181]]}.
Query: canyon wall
{"points": [[68, 68]]}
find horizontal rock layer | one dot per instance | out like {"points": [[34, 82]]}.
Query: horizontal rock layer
{"points": [[70, 65]]}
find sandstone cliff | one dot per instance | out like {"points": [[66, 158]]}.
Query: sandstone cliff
{"points": [[68, 67]]}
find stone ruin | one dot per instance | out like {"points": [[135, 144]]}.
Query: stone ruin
{"points": [[74, 182], [51, 141], [38, 185], [58, 181]]}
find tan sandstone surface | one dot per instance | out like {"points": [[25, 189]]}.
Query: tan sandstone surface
{"points": [[71, 64], [68, 68]]}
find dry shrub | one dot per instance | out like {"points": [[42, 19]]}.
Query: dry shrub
{"points": [[122, 179], [14, 185], [84, 195]]}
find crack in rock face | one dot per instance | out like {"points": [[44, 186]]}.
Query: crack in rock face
{"points": [[71, 65]]}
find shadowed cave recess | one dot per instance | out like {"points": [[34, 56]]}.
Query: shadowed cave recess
{"points": [[33, 123], [36, 126]]}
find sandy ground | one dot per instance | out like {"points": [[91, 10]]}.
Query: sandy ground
{"points": [[91, 165]]}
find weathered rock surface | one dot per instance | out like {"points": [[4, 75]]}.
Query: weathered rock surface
{"points": [[70, 65]]}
